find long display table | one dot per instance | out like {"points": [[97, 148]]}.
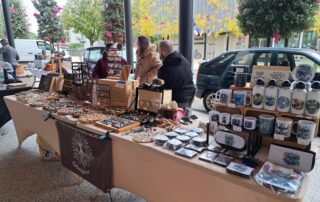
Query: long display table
{"points": [[151, 171]]}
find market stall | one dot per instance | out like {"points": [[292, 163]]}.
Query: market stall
{"points": [[244, 153], [145, 169]]}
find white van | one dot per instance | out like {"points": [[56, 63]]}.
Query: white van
{"points": [[27, 48]]}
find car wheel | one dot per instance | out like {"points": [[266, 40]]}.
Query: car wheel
{"points": [[208, 100]]}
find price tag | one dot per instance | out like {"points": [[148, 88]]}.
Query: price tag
{"points": [[237, 128], [299, 115], [221, 127], [231, 105]]}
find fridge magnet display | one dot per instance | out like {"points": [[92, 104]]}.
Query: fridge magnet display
{"points": [[192, 134], [161, 139], [223, 160], [240, 169], [199, 141], [180, 130], [195, 148], [208, 156], [186, 153], [174, 144], [184, 139], [171, 134], [200, 131]]}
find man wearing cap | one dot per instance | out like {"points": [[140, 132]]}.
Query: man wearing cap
{"points": [[9, 54]]}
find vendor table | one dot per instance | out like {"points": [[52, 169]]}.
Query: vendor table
{"points": [[4, 113], [153, 172]]}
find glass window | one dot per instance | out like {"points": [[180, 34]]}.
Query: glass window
{"points": [[244, 58], [41, 45], [293, 60], [263, 59], [95, 55]]}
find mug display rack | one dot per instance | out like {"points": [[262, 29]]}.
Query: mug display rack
{"points": [[256, 139]]}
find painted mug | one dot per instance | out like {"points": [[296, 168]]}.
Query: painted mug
{"points": [[214, 116], [224, 119], [223, 96], [305, 131], [241, 98], [266, 124], [283, 128], [236, 120], [250, 123]]}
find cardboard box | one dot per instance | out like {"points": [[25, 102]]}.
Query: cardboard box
{"points": [[121, 92], [279, 73], [152, 100]]}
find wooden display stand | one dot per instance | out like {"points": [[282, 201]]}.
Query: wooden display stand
{"points": [[120, 91], [262, 139], [151, 100]]}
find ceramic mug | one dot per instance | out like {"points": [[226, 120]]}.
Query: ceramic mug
{"points": [[266, 124], [236, 120], [283, 128], [305, 131], [224, 119], [241, 98], [214, 116], [250, 123], [223, 96]]}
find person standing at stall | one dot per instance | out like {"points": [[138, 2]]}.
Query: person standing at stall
{"points": [[110, 64], [9, 55], [177, 75], [148, 61]]}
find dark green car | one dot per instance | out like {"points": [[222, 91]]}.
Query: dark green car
{"points": [[219, 72]]}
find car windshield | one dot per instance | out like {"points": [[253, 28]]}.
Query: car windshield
{"points": [[95, 55]]}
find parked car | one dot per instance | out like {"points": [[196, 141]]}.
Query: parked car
{"points": [[219, 73], [27, 48], [94, 53]]}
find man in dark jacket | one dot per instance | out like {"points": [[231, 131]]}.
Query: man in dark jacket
{"points": [[9, 55], [177, 75]]}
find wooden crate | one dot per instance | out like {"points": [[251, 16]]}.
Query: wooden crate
{"points": [[152, 101], [120, 91]]}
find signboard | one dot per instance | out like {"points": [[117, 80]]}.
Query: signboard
{"points": [[279, 73]]}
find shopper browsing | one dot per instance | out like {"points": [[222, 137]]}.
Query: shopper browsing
{"points": [[110, 64], [148, 62], [177, 74], [10, 55]]}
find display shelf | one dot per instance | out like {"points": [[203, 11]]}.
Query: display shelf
{"points": [[246, 88], [228, 109], [249, 111]]}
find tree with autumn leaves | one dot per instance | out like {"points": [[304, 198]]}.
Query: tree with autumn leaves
{"points": [[49, 20], [152, 19]]}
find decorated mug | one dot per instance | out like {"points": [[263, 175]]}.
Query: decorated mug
{"points": [[305, 131], [236, 120], [223, 96], [283, 128], [214, 116], [241, 98], [224, 119], [266, 124], [250, 123]]}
